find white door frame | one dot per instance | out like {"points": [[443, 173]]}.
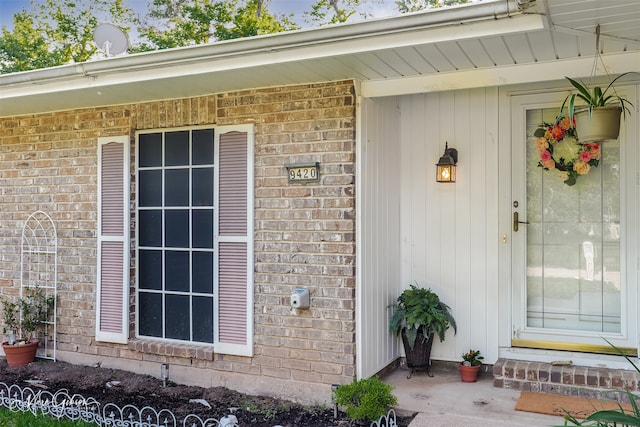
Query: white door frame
{"points": [[630, 193]]}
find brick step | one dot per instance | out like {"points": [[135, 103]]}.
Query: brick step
{"points": [[571, 380]]}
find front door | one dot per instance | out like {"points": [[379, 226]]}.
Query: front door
{"points": [[571, 246]]}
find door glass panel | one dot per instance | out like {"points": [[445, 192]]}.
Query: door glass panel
{"points": [[573, 241]]}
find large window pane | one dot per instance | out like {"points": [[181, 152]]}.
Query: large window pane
{"points": [[203, 319], [202, 187], [203, 228], [176, 187], [177, 271], [176, 148], [202, 147], [150, 227], [150, 150], [150, 317], [203, 272], [150, 269], [178, 316], [177, 228], [150, 188]]}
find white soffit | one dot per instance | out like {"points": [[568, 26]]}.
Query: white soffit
{"points": [[508, 75]]}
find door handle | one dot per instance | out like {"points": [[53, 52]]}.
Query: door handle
{"points": [[516, 221]]}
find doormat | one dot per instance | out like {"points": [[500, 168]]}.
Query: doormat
{"points": [[556, 404]]}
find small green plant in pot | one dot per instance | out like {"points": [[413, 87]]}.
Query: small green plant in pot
{"points": [[599, 118], [23, 319], [472, 358], [470, 366], [418, 316], [365, 400]]}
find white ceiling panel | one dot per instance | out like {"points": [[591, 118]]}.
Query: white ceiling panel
{"points": [[395, 60], [497, 51], [519, 47], [434, 55], [419, 61], [477, 53], [457, 57], [413, 59]]}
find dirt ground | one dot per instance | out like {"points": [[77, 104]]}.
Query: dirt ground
{"points": [[122, 388]]}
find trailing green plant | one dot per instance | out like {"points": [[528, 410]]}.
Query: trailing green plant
{"points": [[596, 97], [421, 308], [366, 399], [620, 417], [27, 314]]}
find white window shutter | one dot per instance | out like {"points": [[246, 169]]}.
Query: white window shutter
{"points": [[234, 334], [113, 240]]}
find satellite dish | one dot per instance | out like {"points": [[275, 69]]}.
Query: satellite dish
{"points": [[110, 39]]}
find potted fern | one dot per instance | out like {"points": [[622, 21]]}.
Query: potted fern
{"points": [[418, 316], [599, 118], [24, 318]]}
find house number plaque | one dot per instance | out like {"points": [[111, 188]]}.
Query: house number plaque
{"points": [[303, 172]]}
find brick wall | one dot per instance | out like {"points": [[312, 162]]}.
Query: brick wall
{"points": [[583, 381], [304, 234]]}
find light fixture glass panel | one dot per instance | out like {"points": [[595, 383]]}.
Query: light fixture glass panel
{"points": [[446, 173]]}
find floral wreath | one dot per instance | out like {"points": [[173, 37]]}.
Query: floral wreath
{"points": [[559, 149]]}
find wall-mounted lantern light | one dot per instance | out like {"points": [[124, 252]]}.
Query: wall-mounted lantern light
{"points": [[446, 171]]}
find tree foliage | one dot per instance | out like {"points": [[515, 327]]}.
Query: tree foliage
{"points": [[24, 48], [174, 23], [58, 32], [326, 12], [405, 6]]}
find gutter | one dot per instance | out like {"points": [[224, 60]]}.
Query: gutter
{"points": [[281, 42]]}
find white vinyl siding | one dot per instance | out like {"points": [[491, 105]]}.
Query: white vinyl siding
{"points": [[415, 230], [113, 242]]}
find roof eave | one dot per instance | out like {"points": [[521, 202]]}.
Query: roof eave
{"points": [[361, 32]]}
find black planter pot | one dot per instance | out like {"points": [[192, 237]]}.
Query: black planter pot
{"points": [[418, 357]]}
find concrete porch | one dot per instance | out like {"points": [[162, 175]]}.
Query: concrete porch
{"points": [[443, 400]]}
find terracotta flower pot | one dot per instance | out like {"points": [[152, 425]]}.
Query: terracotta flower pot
{"points": [[602, 124], [20, 355], [469, 374]]}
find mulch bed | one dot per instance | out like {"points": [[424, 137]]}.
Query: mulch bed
{"points": [[123, 387]]}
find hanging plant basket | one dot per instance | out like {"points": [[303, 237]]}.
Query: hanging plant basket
{"points": [[599, 124]]}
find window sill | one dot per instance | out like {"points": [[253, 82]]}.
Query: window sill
{"points": [[173, 349]]}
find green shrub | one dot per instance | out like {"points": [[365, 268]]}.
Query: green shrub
{"points": [[365, 400]]}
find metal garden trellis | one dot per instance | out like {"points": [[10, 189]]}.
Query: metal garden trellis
{"points": [[39, 269]]}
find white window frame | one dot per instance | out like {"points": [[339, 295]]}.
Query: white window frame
{"points": [[245, 349]]}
